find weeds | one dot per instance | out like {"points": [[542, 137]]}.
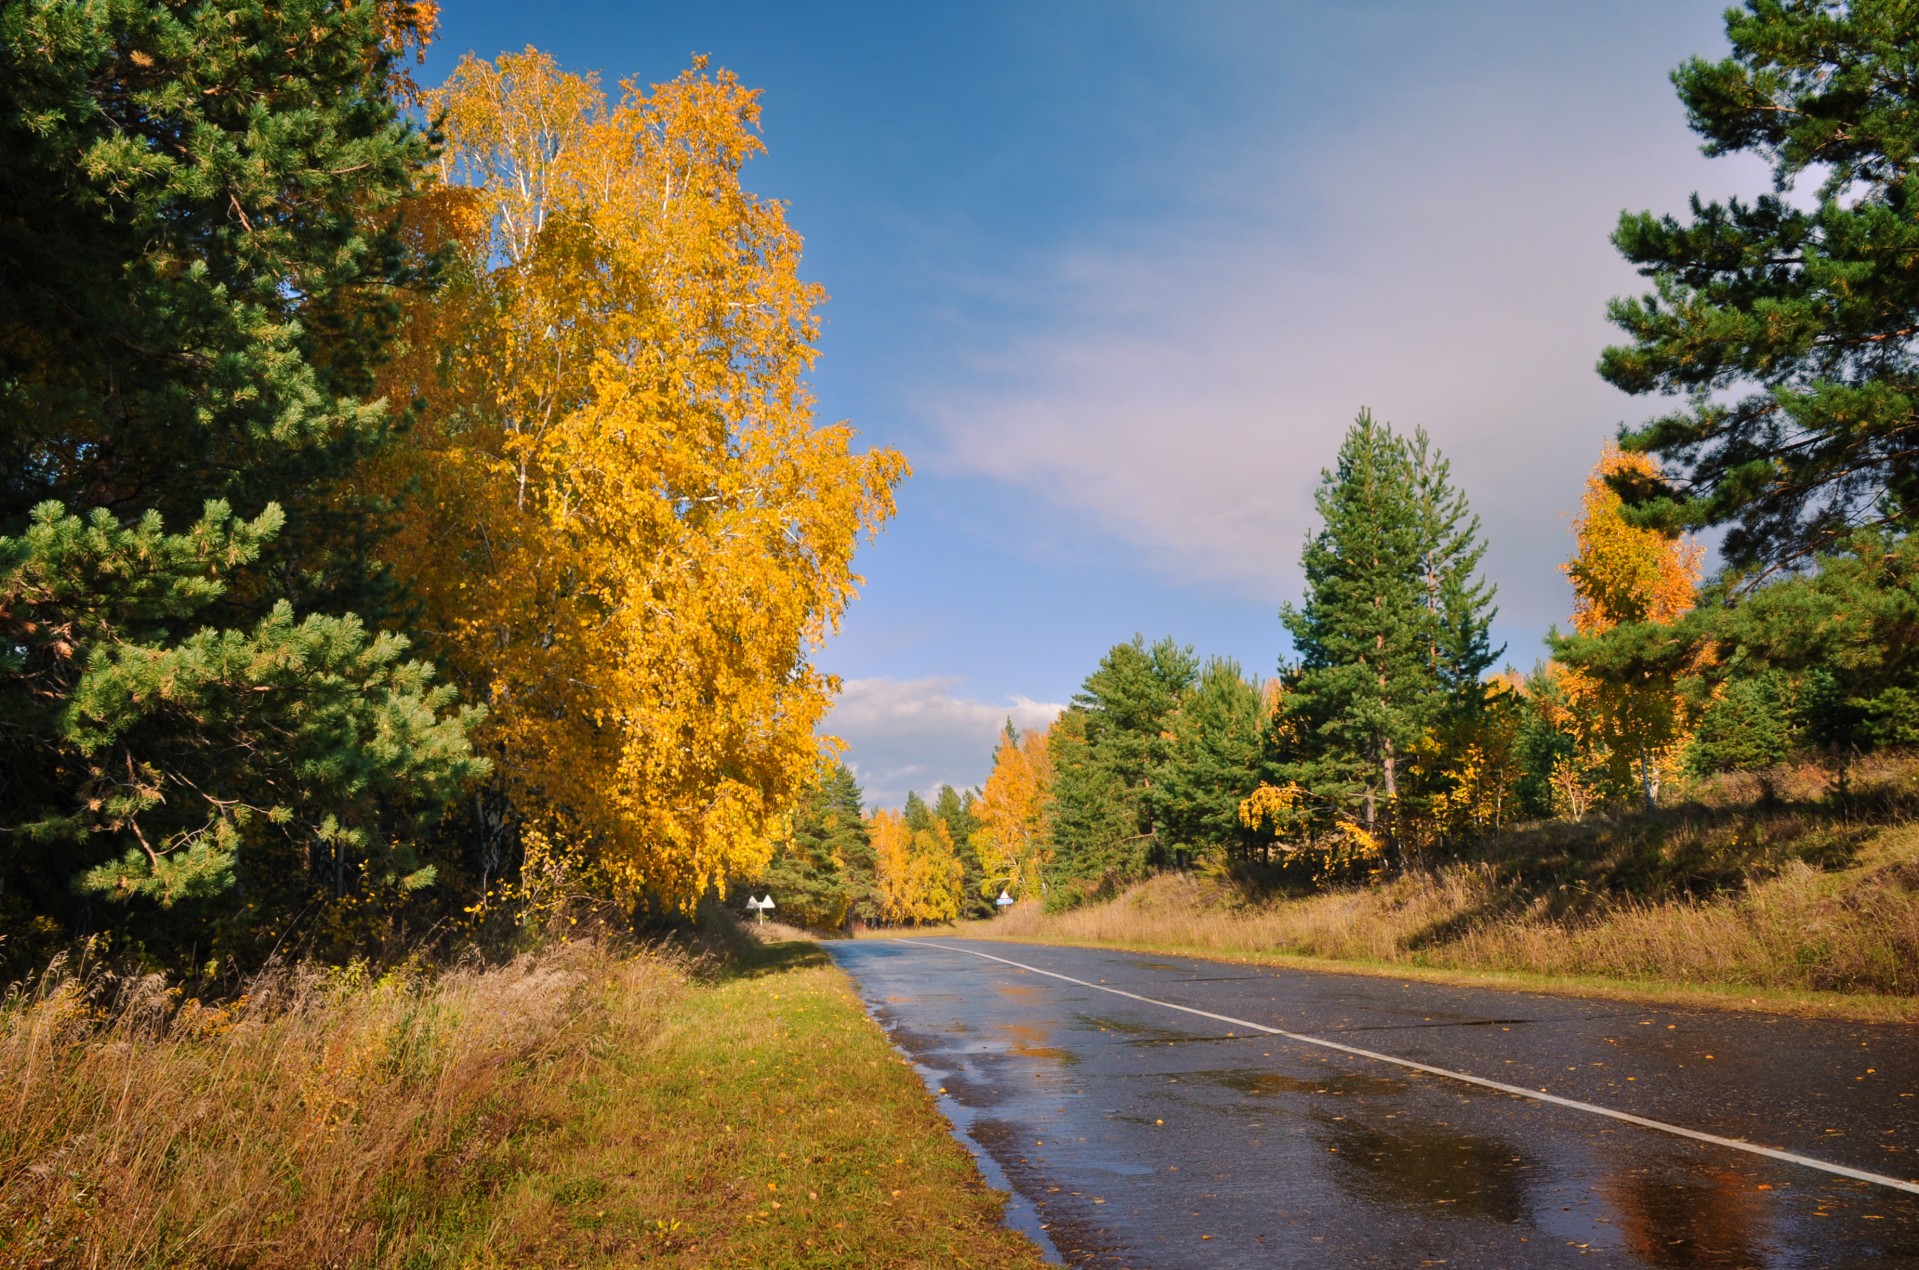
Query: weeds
{"points": [[1777, 880], [578, 1106]]}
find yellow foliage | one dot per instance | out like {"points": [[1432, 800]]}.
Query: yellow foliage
{"points": [[1632, 731], [917, 873], [630, 533], [1011, 842], [1478, 763], [1346, 848], [1270, 807], [1623, 573]]}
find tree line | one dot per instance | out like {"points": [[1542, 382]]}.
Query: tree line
{"points": [[407, 496], [412, 506], [1781, 334]]}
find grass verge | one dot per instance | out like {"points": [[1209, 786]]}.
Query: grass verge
{"points": [[574, 1108], [1761, 906]]}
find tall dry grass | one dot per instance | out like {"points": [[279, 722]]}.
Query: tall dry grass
{"points": [[322, 1120], [1792, 925]]}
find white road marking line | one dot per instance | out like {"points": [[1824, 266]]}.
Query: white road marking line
{"points": [[1537, 1095]]}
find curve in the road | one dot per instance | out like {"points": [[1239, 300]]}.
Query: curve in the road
{"points": [[1518, 1091]]}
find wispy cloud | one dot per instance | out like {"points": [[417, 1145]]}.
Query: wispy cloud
{"points": [[907, 734], [1446, 265]]}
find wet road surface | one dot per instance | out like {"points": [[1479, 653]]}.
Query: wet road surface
{"points": [[1140, 1135]]}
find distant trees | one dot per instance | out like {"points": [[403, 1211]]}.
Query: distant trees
{"points": [[1783, 333], [823, 870], [918, 875], [1209, 765], [1107, 749], [1011, 839]]}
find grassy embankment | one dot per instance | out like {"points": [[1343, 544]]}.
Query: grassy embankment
{"points": [[577, 1107], [1774, 892]]}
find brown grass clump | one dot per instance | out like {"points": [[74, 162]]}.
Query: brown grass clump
{"points": [[321, 1120], [1777, 896]]}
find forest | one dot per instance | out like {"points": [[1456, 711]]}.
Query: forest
{"points": [[1778, 335], [414, 520]]}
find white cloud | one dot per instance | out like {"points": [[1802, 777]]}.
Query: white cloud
{"points": [[918, 734], [1447, 265]]}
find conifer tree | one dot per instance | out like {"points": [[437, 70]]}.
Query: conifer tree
{"points": [[822, 872], [1105, 752], [1392, 634], [197, 260], [1784, 331], [1211, 764]]}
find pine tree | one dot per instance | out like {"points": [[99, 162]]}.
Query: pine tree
{"points": [[1845, 632], [197, 261], [1786, 330], [1106, 748], [1211, 764], [1392, 634], [824, 869]]}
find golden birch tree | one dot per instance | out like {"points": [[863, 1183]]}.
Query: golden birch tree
{"points": [[1011, 840], [917, 873], [1632, 727], [630, 532]]}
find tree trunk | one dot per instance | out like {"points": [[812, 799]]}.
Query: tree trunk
{"points": [[1645, 778]]}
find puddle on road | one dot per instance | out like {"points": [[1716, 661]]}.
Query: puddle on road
{"points": [[1432, 1167], [1129, 1028], [1668, 1221], [1027, 1041], [1137, 1033], [1339, 1084]]}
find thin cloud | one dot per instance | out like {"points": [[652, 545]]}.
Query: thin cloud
{"points": [[919, 734], [1448, 267]]}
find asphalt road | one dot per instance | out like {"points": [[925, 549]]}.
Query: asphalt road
{"points": [[1140, 1134]]}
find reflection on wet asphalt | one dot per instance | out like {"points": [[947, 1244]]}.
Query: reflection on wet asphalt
{"points": [[1138, 1136]]}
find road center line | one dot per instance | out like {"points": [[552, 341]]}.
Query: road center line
{"points": [[1536, 1095]]}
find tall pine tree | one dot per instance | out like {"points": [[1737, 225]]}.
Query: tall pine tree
{"points": [[197, 259], [1783, 329], [1392, 633]]}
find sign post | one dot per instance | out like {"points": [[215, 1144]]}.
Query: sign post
{"points": [[1004, 900], [760, 906]]}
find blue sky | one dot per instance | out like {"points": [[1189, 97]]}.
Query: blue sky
{"points": [[1116, 277]]}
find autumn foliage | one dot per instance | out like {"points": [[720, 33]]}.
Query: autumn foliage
{"points": [[1630, 726], [631, 532], [1012, 840]]}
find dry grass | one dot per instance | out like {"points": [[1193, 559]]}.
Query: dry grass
{"points": [[577, 1107], [315, 1123], [1778, 901]]}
